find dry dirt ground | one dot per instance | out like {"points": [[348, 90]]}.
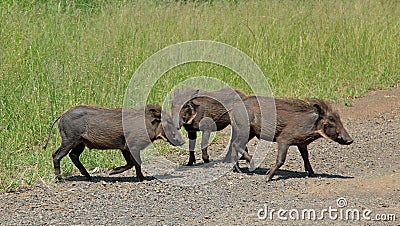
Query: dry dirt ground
{"points": [[356, 185]]}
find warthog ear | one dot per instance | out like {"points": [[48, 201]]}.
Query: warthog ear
{"points": [[195, 104], [155, 121], [194, 94], [321, 108], [155, 111]]}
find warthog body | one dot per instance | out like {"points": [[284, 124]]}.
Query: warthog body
{"points": [[203, 111], [102, 128], [298, 123]]}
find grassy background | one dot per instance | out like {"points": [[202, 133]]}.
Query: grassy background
{"points": [[56, 54]]}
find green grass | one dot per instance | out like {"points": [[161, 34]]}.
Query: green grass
{"points": [[56, 54]]}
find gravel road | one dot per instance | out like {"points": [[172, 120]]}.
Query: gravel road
{"points": [[356, 184]]}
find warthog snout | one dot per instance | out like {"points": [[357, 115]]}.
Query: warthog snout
{"points": [[173, 135], [344, 138]]}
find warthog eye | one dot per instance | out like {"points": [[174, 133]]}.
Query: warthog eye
{"points": [[332, 119], [331, 125]]}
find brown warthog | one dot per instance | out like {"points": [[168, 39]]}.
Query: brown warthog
{"points": [[197, 110], [102, 128], [298, 122]]}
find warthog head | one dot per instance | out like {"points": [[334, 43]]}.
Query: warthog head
{"points": [[329, 124], [166, 130], [184, 107]]}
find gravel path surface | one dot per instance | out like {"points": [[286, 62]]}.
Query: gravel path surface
{"points": [[361, 178]]}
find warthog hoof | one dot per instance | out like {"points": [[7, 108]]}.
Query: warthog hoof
{"points": [[140, 178], [205, 157], [311, 175], [119, 169], [237, 169], [192, 160], [59, 179]]}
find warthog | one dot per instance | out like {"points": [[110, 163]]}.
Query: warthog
{"points": [[298, 122], [102, 128], [197, 110]]}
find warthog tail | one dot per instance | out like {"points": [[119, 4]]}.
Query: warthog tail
{"points": [[48, 135]]}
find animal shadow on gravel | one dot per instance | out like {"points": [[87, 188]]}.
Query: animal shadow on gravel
{"points": [[96, 179], [287, 174]]}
